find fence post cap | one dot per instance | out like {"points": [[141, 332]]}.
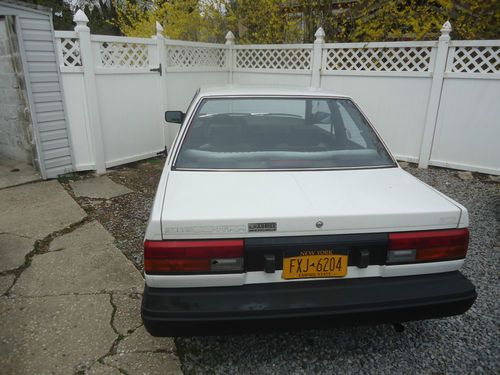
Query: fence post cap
{"points": [[159, 28], [320, 35], [446, 27], [80, 18], [230, 37], [445, 31]]}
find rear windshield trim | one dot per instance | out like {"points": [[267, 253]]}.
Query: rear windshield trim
{"points": [[185, 130], [282, 170]]}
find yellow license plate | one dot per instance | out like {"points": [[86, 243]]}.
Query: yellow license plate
{"points": [[305, 266]]}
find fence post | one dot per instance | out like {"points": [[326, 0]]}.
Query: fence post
{"points": [[162, 64], [441, 58], [317, 58], [230, 60], [83, 32]]}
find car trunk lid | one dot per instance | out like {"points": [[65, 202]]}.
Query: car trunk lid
{"points": [[300, 203]]}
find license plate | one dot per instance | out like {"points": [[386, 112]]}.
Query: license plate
{"points": [[309, 266]]}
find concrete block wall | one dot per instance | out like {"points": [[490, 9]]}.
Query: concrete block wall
{"points": [[15, 120]]}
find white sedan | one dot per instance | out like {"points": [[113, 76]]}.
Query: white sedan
{"points": [[283, 208]]}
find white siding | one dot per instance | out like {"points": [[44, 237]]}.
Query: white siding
{"points": [[36, 41]]}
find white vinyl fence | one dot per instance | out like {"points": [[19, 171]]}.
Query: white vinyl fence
{"points": [[434, 102]]}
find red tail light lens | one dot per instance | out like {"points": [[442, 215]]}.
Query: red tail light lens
{"points": [[176, 265], [193, 256], [425, 246]]}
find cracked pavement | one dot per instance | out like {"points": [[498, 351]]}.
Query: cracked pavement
{"points": [[69, 299]]}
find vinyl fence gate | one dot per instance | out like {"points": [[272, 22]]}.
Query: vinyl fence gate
{"points": [[434, 102]]}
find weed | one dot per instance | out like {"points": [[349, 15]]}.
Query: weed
{"points": [[67, 177]]}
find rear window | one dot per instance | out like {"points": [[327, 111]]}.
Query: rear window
{"points": [[280, 133]]}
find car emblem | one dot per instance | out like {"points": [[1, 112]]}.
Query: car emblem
{"points": [[319, 224], [262, 227]]}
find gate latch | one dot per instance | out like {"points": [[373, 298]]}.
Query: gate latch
{"points": [[156, 69]]}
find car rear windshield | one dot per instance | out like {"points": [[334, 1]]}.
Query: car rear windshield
{"points": [[280, 133]]}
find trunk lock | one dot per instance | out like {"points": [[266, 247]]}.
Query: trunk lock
{"points": [[364, 258], [269, 263]]}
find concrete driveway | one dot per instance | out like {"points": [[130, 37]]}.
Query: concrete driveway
{"points": [[69, 299]]}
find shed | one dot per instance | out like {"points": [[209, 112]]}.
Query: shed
{"points": [[41, 114]]}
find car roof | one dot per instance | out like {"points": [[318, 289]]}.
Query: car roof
{"points": [[261, 90]]}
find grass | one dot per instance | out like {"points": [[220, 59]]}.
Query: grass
{"points": [[65, 178]]}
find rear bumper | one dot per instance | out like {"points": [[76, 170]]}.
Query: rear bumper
{"points": [[221, 310]]}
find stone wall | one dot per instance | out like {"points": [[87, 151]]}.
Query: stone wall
{"points": [[15, 119]]}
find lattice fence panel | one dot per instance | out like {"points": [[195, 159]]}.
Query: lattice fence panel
{"points": [[476, 60], [71, 52], [288, 58], [196, 57], [379, 59], [124, 55]]}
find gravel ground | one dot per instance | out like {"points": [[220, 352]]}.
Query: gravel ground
{"points": [[465, 344], [458, 345]]}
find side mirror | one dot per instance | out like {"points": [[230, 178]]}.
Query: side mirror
{"points": [[174, 116]]}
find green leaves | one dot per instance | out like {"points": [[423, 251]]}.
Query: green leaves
{"points": [[421, 20], [284, 21]]}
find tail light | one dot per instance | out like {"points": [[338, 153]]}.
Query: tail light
{"points": [[193, 256], [427, 246]]}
